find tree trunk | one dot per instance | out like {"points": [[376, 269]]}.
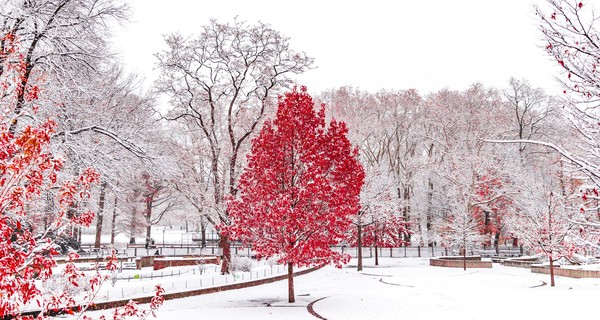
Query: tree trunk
{"points": [[359, 243], [497, 242], [430, 211], [148, 214], [133, 224], [100, 216], [406, 212], [78, 233], [225, 244], [291, 297], [203, 234], [113, 228], [464, 254], [376, 255], [551, 271]]}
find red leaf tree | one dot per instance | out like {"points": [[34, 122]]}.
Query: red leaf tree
{"points": [[29, 169], [300, 189], [384, 231], [493, 205]]}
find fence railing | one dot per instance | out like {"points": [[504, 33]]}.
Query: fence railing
{"points": [[408, 251], [136, 285], [428, 251]]}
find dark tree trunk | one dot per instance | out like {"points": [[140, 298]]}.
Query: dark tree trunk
{"points": [[429, 211], [203, 234], [376, 255], [148, 214], [113, 228], [497, 242], [225, 244], [132, 225], [100, 216], [406, 211], [359, 244], [291, 297]]}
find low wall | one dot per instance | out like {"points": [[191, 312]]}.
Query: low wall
{"points": [[517, 263], [461, 258], [164, 262], [520, 262], [161, 263], [90, 260], [454, 263], [566, 272], [145, 262]]}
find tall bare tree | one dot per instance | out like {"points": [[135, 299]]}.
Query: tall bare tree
{"points": [[224, 81], [60, 39]]}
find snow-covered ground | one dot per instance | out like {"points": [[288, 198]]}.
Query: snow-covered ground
{"points": [[400, 288], [130, 284]]}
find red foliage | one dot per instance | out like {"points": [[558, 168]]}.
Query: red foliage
{"points": [[386, 232], [492, 205], [27, 169], [300, 188]]}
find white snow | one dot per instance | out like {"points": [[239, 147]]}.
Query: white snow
{"points": [[400, 288]]}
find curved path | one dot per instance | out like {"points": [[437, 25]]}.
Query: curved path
{"points": [[395, 284], [377, 275], [312, 311], [540, 285]]}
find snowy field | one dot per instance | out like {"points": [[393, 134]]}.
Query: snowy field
{"points": [[400, 289], [129, 284]]}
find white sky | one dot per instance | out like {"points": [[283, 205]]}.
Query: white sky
{"points": [[372, 45]]}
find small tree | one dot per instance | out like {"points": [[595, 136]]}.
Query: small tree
{"points": [[384, 231], [544, 226], [492, 205], [461, 230], [376, 223], [300, 188]]}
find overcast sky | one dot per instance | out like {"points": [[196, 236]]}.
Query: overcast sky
{"points": [[371, 45]]}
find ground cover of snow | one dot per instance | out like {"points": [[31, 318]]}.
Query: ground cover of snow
{"points": [[400, 288]]}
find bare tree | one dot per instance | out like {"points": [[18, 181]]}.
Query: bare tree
{"points": [[533, 112], [224, 81], [60, 38]]}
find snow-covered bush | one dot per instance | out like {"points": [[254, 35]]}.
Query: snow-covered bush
{"points": [[242, 264]]}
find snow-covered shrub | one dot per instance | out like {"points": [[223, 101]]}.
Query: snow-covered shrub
{"points": [[242, 264]]}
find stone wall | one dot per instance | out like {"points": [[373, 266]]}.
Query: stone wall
{"points": [[517, 263], [567, 272], [161, 263], [454, 263], [145, 262]]}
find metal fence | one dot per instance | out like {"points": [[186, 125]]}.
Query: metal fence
{"points": [[399, 252], [136, 285]]}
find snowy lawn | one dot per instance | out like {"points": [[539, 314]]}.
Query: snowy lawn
{"points": [[400, 289]]}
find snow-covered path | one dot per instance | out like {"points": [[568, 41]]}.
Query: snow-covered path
{"points": [[401, 289]]}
